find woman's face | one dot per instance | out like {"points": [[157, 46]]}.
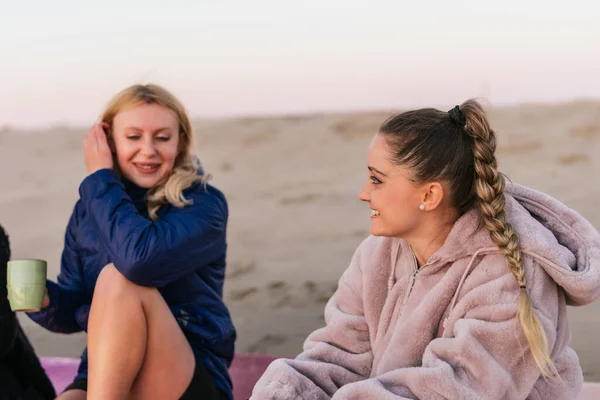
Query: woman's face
{"points": [[393, 198], [146, 141]]}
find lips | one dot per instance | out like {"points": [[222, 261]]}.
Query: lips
{"points": [[147, 168]]}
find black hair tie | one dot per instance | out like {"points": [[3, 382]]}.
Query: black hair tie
{"points": [[457, 116]]}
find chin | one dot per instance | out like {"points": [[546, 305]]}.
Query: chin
{"points": [[381, 231], [377, 232], [145, 182]]}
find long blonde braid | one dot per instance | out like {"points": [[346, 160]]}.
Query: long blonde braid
{"points": [[489, 187]]}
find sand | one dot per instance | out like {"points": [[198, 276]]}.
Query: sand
{"points": [[295, 219]]}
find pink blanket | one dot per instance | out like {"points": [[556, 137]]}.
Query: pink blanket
{"points": [[245, 371]]}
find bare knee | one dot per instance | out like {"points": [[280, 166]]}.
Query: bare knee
{"points": [[112, 283], [109, 278]]}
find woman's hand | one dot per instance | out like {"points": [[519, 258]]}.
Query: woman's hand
{"points": [[96, 150], [45, 302]]}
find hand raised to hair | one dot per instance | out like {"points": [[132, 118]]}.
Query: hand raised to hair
{"points": [[96, 151]]}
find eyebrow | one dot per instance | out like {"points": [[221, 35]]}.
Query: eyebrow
{"points": [[159, 130], [373, 169]]}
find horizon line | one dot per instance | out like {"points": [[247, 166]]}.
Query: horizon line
{"points": [[61, 124]]}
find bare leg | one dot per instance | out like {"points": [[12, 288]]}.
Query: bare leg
{"points": [[136, 349], [73, 394]]}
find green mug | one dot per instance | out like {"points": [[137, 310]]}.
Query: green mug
{"points": [[26, 284]]}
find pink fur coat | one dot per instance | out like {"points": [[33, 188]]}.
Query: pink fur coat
{"points": [[449, 330]]}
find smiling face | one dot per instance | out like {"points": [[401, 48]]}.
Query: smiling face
{"points": [[393, 197], [146, 141]]}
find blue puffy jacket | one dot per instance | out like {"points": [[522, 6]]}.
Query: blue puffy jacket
{"points": [[182, 254]]}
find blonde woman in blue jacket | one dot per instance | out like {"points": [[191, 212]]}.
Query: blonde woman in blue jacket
{"points": [[144, 261]]}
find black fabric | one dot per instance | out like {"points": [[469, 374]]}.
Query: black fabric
{"points": [[22, 377], [458, 116], [80, 384], [202, 386], [8, 320]]}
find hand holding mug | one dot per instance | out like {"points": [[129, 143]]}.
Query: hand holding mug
{"points": [[26, 284], [45, 302]]}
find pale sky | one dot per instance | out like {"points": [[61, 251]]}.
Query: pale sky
{"points": [[61, 60]]}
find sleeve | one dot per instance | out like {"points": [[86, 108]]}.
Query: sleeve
{"points": [[68, 294], [8, 325], [154, 253], [335, 355], [8, 319], [486, 355]]}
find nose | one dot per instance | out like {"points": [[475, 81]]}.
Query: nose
{"points": [[364, 194], [148, 148]]}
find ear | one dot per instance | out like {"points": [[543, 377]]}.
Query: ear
{"points": [[433, 193]]}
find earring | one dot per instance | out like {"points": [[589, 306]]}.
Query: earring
{"points": [[422, 207]]}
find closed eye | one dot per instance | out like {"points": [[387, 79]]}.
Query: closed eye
{"points": [[163, 138]]}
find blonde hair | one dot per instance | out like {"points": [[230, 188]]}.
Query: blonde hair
{"points": [[459, 147], [489, 187], [185, 172]]}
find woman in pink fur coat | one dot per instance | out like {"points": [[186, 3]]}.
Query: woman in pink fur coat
{"points": [[461, 290]]}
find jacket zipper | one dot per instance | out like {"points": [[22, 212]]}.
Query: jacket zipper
{"points": [[413, 278], [411, 283]]}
